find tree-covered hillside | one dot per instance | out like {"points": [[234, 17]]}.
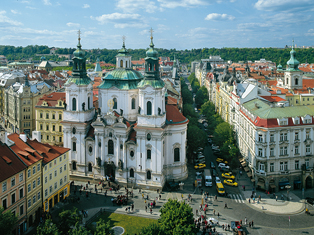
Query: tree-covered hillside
{"points": [[184, 56]]}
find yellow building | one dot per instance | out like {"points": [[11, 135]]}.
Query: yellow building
{"points": [[56, 180], [33, 183], [49, 114]]}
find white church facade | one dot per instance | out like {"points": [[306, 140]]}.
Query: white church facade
{"points": [[135, 136]]}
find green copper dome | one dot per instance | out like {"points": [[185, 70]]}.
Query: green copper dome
{"points": [[293, 63], [123, 51], [121, 78], [152, 53]]}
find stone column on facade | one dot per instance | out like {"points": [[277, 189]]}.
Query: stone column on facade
{"points": [[117, 151], [144, 157]]}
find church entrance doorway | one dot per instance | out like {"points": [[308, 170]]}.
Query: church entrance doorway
{"points": [[110, 170]]}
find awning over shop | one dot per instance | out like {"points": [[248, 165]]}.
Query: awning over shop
{"points": [[297, 181], [246, 169], [284, 183], [272, 185], [261, 184], [253, 180], [249, 174]]}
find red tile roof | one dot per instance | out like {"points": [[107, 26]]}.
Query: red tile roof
{"points": [[10, 164], [52, 99], [174, 116], [273, 98], [49, 152], [20, 150], [308, 83], [172, 100]]}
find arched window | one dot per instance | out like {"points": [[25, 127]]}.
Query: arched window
{"points": [[121, 63], [126, 64], [74, 146], [296, 82], [132, 153], [90, 168], [287, 81], [74, 165], [131, 172], [115, 103], [74, 130], [148, 175], [88, 103], [149, 108], [133, 103], [176, 154], [149, 154], [73, 104], [110, 134], [149, 137], [90, 149], [110, 147]]}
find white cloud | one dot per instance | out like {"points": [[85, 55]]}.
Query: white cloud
{"points": [[216, 16], [310, 32], [128, 25], [253, 26], [5, 19], [284, 5], [70, 24], [182, 3], [86, 6], [115, 16], [135, 5], [32, 8], [15, 12], [47, 2]]}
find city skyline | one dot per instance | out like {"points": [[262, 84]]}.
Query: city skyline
{"points": [[179, 24]]}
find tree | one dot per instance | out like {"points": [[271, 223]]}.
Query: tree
{"points": [[152, 229], [201, 96], [7, 221], [222, 133], [68, 219], [103, 228], [177, 218], [186, 96], [79, 230], [48, 228], [196, 138]]}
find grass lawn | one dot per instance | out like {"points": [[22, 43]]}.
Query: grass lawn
{"points": [[131, 224]]}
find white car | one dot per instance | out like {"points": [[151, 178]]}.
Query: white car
{"points": [[217, 180], [223, 165], [215, 146]]}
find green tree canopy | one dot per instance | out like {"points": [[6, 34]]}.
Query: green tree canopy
{"points": [[177, 218], [152, 229], [68, 219], [196, 138], [103, 228], [48, 228], [7, 221], [222, 133], [201, 96]]}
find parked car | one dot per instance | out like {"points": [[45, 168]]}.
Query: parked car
{"points": [[212, 165], [310, 200], [221, 161], [198, 173], [214, 173], [215, 146], [200, 166], [227, 175], [230, 182]]}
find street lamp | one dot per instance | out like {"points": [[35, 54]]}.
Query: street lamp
{"points": [[287, 187]]}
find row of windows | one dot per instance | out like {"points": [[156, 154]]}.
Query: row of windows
{"points": [[55, 162], [284, 150], [29, 186], [53, 116], [34, 170], [29, 202], [284, 136], [83, 104], [55, 173], [53, 138], [55, 187], [4, 184], [48, 127], [283, 166], [13, 199]]}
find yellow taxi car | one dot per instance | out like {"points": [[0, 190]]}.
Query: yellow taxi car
{"points": [[200, 166], [221, 160], [231, 183], [227, 176]]}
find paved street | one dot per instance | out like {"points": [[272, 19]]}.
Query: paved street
{"points": [[273, 219]]}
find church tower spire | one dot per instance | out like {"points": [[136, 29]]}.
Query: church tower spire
{"points": [[152, 76]]}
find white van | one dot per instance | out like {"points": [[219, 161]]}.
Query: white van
{"points": [[208, 178]]}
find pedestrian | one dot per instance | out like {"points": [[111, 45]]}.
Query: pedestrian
{"points": [[244, 188], [249, 200], [276, 197], [218, 215], [201, 206], [182, 196], [142, 195], [106, 193], [159, 196], [133, 207], [245, 221], [215, 197], [226, 206], [214, 212], [193, 185], [129, 208], [151, 211], [240, 221], [196, 212], [252, 223]]}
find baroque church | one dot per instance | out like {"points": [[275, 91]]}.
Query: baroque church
{"points": [[137, 136]]}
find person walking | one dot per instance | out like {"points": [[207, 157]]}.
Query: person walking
{"points": [[226, 207], [132, 207], [218, 215], [142, 195], [245, 221], [240, 221], [145, 208], [214, 212], [252, 223], [151, 211]]}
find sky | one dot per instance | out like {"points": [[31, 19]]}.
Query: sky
{"points": [[176, 24]]}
